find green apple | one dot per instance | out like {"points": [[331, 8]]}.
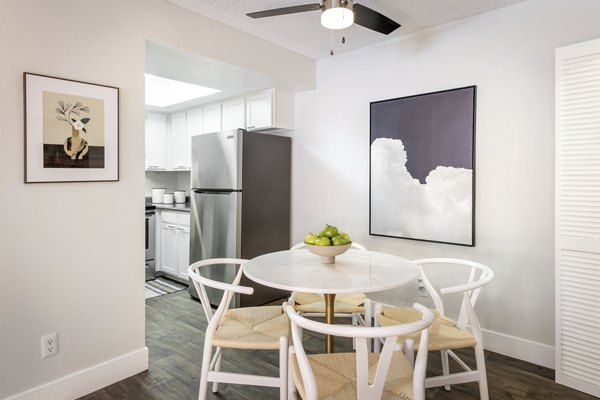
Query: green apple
{"points": [[345, 236], [339, 240], [323, 241], [311, 238], [329, 231]]}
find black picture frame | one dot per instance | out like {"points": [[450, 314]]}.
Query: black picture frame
{"points": [[424, 196], [71, 130]]}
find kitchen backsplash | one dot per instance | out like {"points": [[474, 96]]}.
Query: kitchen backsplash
{"points": [[171, 181]]}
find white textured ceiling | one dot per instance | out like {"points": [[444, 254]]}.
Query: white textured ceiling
{"points": [[304, 34]]}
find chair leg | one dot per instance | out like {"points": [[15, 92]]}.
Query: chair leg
{"points": [[368, 313], [206, 356], [376, 341], [283, 368], [354, 323], [409, 351], [291, 384], [445, 367], [369, 318], [480, 362], [215, 385]]}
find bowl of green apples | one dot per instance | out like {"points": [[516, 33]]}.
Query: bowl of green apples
{"points": [[328, 243]]}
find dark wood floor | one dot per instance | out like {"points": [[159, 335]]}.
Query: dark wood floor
{"points": [[175, 334]]}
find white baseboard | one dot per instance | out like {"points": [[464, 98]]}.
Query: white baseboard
{"points": [[522, 349], [101, 375], [90, 379]]}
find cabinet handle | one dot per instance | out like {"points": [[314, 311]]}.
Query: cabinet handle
{"points": [[152, 166], [171, 227]]}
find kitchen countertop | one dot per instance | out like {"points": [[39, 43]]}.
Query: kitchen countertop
{"points": [[174, 206]]}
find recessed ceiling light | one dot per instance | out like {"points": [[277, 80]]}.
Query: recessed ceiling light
{"points": [[163, 92]]}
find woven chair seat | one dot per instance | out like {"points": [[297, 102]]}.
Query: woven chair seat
{"points": [[336, 376], [315, 303], [252, 328], [443, 333]]}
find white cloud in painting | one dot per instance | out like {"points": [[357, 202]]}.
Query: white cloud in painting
{"points": [[438, 210]]}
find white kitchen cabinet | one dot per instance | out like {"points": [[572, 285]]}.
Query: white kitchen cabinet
{"points": [[167, 142], [179, 143], [156, 141], [272, 110], [174, 243], [194, 121], [170, 261], [234, 114], [183, 250], [168, 138], [211, 118]]}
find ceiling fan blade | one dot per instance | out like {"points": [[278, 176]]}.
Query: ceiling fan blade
{"points": [[371, 19], [285, 10]]}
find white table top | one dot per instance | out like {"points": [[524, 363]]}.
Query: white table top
{"points": [[355, 271]]}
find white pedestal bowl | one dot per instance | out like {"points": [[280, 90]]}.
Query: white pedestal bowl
{"points": [[328, 253]]}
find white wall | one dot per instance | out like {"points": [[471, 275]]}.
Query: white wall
{"points": [[72, 254], [509, 55]]}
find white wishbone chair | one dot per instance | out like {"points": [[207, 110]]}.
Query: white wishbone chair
{"points": [[358, 375], [249, 328], [346, 305], [445, 334]]}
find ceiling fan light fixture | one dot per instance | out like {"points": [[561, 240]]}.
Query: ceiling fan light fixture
{"points": [[337, 14]]}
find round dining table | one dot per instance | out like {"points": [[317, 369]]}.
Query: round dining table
{"points": [[355, 271]]}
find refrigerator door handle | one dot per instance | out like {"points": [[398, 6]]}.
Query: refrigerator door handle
{"points": [[216, 191]]}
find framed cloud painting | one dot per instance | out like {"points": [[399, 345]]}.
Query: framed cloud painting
{"points": [[71, 130], [422, 167]]}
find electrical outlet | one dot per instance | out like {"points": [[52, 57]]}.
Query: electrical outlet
{"points": [[49, 345], [421, 289]]}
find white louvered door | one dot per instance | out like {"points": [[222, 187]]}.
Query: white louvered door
{"points": [[578, 216]]}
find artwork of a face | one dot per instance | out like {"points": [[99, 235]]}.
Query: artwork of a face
{"points": [[75, 146], [79, 124]]}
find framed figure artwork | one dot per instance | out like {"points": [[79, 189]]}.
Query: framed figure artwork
{"points": [[422, 167], [71, 130]]}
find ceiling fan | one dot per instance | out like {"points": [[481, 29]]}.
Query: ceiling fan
{"points": [[338, 14]]}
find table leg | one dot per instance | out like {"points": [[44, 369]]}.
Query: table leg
{"points": [[329, 313]]}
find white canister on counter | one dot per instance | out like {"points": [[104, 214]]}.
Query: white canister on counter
{"points": [[179, 196], [168, 198], [157, 195]]}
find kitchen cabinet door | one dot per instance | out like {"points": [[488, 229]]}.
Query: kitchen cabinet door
{"points": [[174, 244], [183, 250], [211, 118], [156, 141], [234, 114], [272, 110], [194, 121], [180, 142], [259, 110], [169, 261]]}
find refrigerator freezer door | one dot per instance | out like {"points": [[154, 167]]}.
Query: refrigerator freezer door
{"points": [[216, 160], [215, 233]]}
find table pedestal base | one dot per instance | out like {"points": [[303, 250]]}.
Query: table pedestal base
{"points": [[329, 314]]}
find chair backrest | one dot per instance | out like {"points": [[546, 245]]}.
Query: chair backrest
{"points": [[362, 334], [353, 245], [479, 276], [228, 288]]}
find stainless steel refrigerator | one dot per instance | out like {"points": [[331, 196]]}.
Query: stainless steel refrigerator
{"points": [[240, 204]]}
